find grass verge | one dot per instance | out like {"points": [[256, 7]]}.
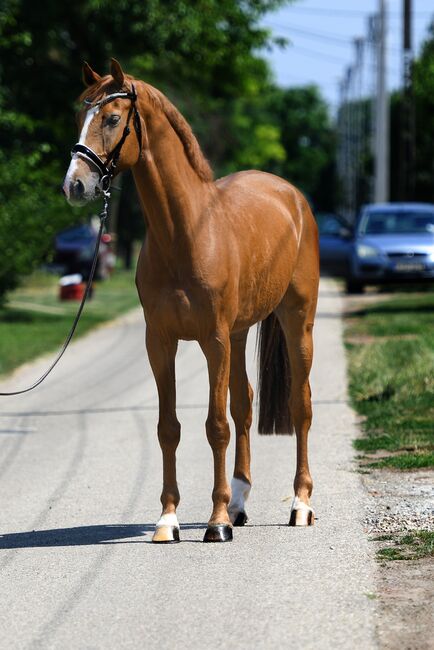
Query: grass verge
{"points": [[411, 546], [391, 370], [34, 321]]}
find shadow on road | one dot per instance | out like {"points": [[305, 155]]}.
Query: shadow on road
{"points": [[84, 535]]}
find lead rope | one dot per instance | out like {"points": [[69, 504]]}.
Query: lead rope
{"points": [[102, 217]]}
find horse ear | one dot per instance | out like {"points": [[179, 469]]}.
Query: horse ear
{"points": [[89, 76], [117, 72]]}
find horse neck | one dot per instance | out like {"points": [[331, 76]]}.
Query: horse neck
{"points": [[172, 196]]}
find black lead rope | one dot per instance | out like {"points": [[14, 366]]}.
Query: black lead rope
{"points": [[106, 171], [102, 217]]}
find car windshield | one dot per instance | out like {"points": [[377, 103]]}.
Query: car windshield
{"points": [[395, 223]]}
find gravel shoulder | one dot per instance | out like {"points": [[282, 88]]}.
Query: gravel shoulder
{"points": [[399, 502]]}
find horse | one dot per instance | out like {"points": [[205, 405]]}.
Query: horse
{"points": [[218, 257]]}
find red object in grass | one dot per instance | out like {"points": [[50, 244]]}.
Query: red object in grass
{"points": [[72, 292], [71, 287]]}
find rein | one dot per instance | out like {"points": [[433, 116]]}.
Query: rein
{"points": [[106, 170]]}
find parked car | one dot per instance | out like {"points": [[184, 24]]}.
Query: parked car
{"points": [[74, 250], [393, 242], [335, 236]]}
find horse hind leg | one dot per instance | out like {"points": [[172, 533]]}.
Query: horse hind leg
{"points": [[297, 323], [241, 397]]}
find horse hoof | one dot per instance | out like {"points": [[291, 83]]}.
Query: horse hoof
{"points": [[218, 533], [166, 535], [241, 519], [302, 517]]}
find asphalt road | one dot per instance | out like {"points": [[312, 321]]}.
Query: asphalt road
{"points": [[80, 478]]}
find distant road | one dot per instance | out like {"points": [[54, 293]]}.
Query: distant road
{"points": [[80, 478]]}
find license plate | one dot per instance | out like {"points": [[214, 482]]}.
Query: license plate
{"points": [[409, 266]]}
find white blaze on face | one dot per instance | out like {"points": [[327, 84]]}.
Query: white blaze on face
{"points": [[92, 178]]}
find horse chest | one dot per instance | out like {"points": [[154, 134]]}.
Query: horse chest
{"points": [[177, 311]]}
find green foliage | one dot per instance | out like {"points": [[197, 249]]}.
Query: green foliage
{"points": [[31, 212], [423, 88], [204, 55], [308, 139]]}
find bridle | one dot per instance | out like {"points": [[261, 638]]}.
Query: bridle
{"points": [[106, 171], [107, 168]]}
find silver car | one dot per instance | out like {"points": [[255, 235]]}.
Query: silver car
{"points": [[393, 242]]}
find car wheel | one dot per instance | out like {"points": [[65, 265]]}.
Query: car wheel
{"points": [[354, 286]]}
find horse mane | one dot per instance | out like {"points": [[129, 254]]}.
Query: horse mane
{"points": [[177, 121]]}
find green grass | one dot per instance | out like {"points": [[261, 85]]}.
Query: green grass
{"points": [[34, 321], [406, 461], [412, 546], [391, 371]]}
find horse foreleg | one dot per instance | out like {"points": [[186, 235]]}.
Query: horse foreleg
{"points": [[297, 325], [162, 359], [217, 352], [241, 410]]}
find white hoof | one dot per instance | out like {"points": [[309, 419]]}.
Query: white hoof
{"points": [[166, 530], [301, 514]]}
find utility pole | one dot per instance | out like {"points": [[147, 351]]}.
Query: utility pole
{"points": [[381, 144], [407, 112], [358, 108]]}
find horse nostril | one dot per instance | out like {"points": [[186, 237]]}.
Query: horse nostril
{"points": [[77, 188]]}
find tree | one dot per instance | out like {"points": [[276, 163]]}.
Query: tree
{"points": [[200, 53], [423, 90], [309, 141]]}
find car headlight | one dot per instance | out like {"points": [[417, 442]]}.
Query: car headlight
{"points": [[363, 250]]}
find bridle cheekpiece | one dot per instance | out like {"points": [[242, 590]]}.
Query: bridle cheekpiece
{"points": [[107, 168]]}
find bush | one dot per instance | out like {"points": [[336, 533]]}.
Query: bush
{"points": [[32, 210]]}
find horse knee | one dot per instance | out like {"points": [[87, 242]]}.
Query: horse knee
{"points": [[169, 433]]}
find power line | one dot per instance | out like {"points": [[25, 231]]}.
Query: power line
{"points": [[315, 54], [330, 12], [335, 38]]}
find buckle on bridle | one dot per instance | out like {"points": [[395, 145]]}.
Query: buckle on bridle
{"points": [[105, 182]]}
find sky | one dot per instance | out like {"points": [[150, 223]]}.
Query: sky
{"points": [[321, 34]]}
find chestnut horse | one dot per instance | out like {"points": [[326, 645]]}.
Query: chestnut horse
{"points": [[219, 256]]}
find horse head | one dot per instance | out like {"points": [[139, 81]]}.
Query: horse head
{"points": [[107, 119]]}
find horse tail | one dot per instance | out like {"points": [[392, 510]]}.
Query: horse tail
{"points": [[274, 379]]}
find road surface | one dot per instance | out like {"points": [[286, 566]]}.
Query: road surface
{"points": [[80, 478]]}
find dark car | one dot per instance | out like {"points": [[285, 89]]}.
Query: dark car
{"points": [[74, 250], [335, 236]]}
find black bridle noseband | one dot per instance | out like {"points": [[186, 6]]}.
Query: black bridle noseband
{"points": [[107, 169]]}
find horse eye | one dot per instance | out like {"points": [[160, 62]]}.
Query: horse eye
{"points": [[112, 120]]}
